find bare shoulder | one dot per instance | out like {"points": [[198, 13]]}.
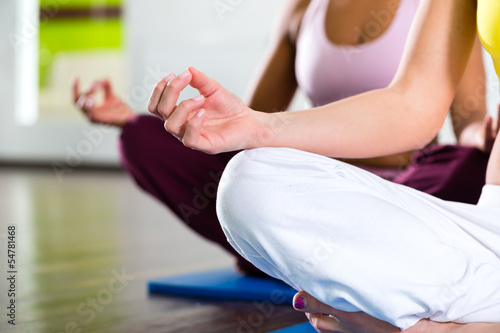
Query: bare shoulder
{"points": [[290, 19], [296, 14], [295, 7]]}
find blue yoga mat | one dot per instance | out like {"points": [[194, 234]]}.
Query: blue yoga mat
{"points": [[300, 328], [224, 284]]}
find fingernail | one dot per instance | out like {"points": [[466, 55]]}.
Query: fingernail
{"points": [[198, 98], [200, 113], [169, 77], [80, 101], [184, 74], [300, 303], [313, 321]]}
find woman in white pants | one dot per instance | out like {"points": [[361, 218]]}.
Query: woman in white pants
{"points": [[350, 239], [360, 243]]}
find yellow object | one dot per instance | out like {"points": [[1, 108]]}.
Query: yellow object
{"points": [[488, 24]]}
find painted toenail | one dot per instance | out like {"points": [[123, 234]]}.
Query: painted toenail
{"points": [[300, 303]]}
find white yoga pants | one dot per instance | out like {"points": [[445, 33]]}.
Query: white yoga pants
{"points": [[360, 243]]}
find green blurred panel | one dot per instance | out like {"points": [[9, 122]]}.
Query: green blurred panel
{"points": [[76, 34], [59, 35], [79, 3]]}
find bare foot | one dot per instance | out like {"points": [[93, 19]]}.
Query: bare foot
{"points": [[325, 319], [112, 111]]}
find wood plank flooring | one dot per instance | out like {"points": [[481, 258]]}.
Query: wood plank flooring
{"points": [[87, 244]]}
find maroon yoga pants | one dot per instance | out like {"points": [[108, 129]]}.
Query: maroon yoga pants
{"points": [[186, 180]]}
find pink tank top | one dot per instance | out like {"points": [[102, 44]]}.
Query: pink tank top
{"points": [[328, 72]]}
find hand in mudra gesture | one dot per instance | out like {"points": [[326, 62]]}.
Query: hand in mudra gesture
{"points": [[111, 111], [214, 122]]}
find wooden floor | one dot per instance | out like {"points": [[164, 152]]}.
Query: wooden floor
{"points": [[87, 244]]}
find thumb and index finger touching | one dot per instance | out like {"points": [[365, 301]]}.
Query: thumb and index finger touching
{"points": [[204, 84], [80, 98]]}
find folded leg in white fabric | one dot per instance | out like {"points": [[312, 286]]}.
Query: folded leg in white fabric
{"points": [[490, 197], [360, 243]]}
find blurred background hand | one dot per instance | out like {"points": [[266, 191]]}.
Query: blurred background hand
{"points": [[110, 111]]}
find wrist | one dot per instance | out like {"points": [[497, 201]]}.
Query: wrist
{"points": [[126, 119], [268, 127]]}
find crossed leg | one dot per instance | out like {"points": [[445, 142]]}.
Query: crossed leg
{"points": [[493, 170], [359, 243], [325, 318]]}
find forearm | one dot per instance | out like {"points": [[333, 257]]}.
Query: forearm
{"points": [[376, 123], [270, 100], [275, 85], [469, 105]]}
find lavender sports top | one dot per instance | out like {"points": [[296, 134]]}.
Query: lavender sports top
{"points": [[328, 72]]}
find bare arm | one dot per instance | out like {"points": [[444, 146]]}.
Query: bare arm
{"points": [[468, 109], [402, 117], [276, 84]]}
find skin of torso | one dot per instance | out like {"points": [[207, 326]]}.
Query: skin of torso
{"points": [[345, 16]]}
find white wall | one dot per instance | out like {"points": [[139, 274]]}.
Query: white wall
{"points": [[162, 36], [23, 136], [224, 38], [6, 67]]}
